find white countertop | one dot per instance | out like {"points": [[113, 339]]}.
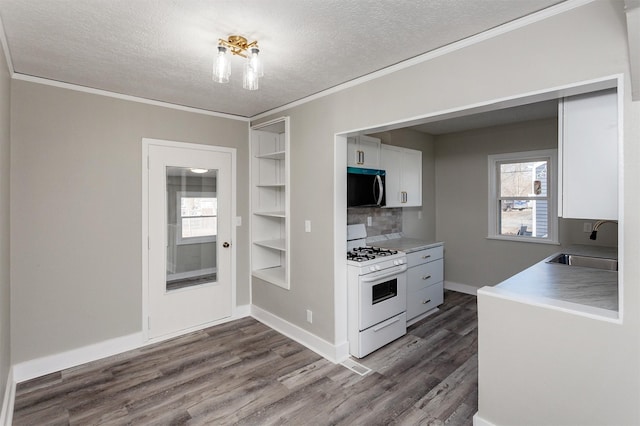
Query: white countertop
{"points": [[575, 284]]}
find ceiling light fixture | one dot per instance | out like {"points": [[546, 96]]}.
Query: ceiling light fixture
{"points": [[238, 45], [199, 171]]}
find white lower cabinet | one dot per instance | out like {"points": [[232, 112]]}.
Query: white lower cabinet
{"points": [[425, 282]]}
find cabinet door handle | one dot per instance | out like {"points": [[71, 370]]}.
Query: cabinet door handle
{"points": [[424, 302], [426, 256], [403, 196], [427, 277], [360, 159]]}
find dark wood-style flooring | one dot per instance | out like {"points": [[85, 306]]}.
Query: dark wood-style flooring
{"points": [[243, 372]]}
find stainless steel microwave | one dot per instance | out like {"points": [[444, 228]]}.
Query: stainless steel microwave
{"points": [[365, 187]]}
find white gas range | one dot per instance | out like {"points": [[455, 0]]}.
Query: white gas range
{"points": [[377, 293]]}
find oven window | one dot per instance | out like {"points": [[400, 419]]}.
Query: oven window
{"points": [[384, 291]]}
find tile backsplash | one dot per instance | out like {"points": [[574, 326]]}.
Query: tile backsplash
{"points": [[383, 221]]}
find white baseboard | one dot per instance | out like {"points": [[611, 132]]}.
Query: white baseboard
{"points": [[242, 311], [50, 364], [334, 353], [31, 369], [461, 288], [6, 416], [479, 421]]}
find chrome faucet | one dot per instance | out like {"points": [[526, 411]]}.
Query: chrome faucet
{"points": [[599, 223]]}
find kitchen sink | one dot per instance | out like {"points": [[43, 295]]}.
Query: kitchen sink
{"points": [[586, 261]]}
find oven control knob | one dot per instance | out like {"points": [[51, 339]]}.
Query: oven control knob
{"points": [[377, 267], [372, 268], [395, 262]]}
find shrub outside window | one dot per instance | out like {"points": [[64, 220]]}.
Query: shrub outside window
{"points": [[522, 196]]}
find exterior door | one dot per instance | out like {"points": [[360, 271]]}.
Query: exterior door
{"points": [[189, 219]]}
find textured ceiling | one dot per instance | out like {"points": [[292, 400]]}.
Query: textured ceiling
{"points": [[163, 49]]}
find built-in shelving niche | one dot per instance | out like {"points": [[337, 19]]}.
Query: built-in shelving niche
{"points": [[270, 202]]}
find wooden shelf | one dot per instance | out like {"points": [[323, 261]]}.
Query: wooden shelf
{"points": [[278, 244], [279, 155], [271, 214]]}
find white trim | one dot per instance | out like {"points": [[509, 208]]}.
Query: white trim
{"points": [[6, 416], [5, 49], [461, 288], [479, 421], [146, 142], [334, 353], [57, 362], [548, 155], [469, 41], [100, 92], [341, 331], [193, 329], [31, 369]]}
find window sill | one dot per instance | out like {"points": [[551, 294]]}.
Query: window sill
{"points": [[523, 240], [195, 240]]}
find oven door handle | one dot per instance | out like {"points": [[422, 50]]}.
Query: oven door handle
{"points": [[372, 277]]}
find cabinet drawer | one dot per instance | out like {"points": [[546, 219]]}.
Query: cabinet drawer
{"points": [[423, 256], [424, 275], [421, 301]]}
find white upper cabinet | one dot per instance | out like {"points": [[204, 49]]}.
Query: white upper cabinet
{"points": [[403, 181], [364, 152], [588, 156]]}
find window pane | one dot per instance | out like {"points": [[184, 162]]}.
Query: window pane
{"points": [[524, 217], [198, 206], [199, 226], [526, 179]]}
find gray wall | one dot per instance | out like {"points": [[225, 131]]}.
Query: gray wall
{"points": [[542, 55], [76, 210], [462, 210], [5, 341]]}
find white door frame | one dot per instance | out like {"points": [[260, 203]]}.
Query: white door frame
{"points": [[146, 142]]}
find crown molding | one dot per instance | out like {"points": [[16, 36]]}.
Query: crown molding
{"points": [[478, 38], [100, 92], [5, 48]]}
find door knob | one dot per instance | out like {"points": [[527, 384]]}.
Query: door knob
{"points": [[225, 244]]}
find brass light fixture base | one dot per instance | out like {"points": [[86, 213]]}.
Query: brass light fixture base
{"points": [[238, 45]]}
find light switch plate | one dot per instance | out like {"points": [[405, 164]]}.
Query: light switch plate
{"points": [[307, 226]]}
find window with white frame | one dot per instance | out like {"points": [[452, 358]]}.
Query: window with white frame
{"points": [[197, 217], [522, 196]]}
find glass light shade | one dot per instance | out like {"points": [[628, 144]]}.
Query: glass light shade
{"points": [[255, 61], [250, 80], [222, 66]]}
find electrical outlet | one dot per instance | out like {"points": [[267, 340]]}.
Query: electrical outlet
{"points": [[369, 221], [586, 227], [309, 316], [307, 226]]}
